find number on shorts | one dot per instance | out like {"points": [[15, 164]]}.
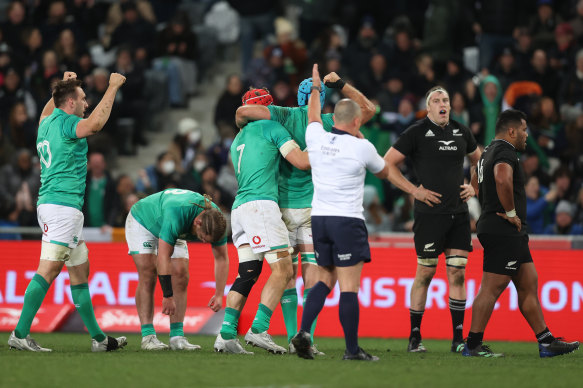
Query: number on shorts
{"points": [[241, 147], [176, 191]]}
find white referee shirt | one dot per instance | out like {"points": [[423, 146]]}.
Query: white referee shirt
{"points": [[339, 162]]}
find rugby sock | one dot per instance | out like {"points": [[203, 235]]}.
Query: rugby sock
{"points": [[416, 317], [33, 298], [177, 329], [148, 329], [545, 337], [474, 339], [229, 328], [262, 318], [457, 308], [289, 308], [313, 329], [348, 310], [84, 307], [314, 304]]}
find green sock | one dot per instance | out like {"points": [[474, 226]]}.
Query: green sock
{"points": [[289, 308], [176, 329], [229, 328], [148, 329], [262, 318], [84, 307], [306, 292], [33, 298]]}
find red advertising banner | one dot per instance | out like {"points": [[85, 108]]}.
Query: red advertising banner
{"points": [[48, 318], [384, 293]]}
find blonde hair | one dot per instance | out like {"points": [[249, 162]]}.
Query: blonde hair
{"points": [[213, 222]]}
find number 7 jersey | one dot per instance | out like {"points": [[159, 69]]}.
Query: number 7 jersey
{"points": [[63, 160], [255, 153]]}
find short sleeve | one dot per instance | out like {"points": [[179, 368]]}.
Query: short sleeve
{"points": [[372, 160], [506, 156], [277, 134], [313, 131], [279, 113], [405, 144], [69, 128]]}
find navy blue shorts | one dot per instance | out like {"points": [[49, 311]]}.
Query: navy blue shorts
{"points": [[340, 241]]}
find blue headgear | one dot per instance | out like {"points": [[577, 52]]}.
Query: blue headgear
{"points": [[305, 89]]}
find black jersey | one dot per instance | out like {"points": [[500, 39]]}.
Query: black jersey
{"points": [[438, 158], [500, 151]]}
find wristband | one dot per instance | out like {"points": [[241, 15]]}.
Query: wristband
{"points": [[511, 213], [318, 88], [336, 84], [166, 283]]}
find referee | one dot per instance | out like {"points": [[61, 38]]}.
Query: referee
{"points": [[437, 147], [339, 162], [502, 233]]}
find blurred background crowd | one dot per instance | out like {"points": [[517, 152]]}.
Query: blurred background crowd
{"points": [[489, 55]]}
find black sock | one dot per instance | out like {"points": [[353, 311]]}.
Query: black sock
{"points": [[416, 317], [457, 308], [545, 337], [474, 339], [314, 304], [348, 310]]}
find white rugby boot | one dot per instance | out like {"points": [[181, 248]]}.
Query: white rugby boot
{"points": [[181, 343], [151, 342], [229, 346], [27, 343], [108, 344], [316, 351], [263, 340]]}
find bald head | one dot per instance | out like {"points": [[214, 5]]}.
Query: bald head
{"points": [[346, 111]]}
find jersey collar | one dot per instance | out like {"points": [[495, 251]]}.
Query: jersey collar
{"points": [[337, 131], [505, 141]]}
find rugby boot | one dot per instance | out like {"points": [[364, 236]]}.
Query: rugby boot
{"points": [[557, 348], [457, 346], [317, 352], [292, 350], [303, 345], [415, 345], [361, 355], [108, 344], [263, 340], [27, 343], [181, 343], [480, 351], [229, 346], [151, 342]]}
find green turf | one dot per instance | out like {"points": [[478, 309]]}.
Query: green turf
{"points": [[71, 364]]}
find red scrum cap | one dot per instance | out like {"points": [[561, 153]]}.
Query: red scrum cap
{"points": [[257, 97]]}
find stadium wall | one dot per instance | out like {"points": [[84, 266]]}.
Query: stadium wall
{"points": [[384, 294]]}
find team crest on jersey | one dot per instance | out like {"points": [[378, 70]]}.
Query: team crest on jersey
{"points": [[429, 133], [456, 132]]}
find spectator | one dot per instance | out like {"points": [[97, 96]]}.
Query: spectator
{"points": [[15, 25], [456, 75], [67, 50], [209, 186], [45, 76], [505, 69], [371, 79], [540, 73], [283, 94], [571, 93], [376, 218], [578, 219], [564, 224], [12, 92], [57, 20], [124, 189], [7, 149], [459, 112], [159, 176], [31, 52], [9, 218], [543, 25], [186, 143], [99, 191], [523, 48], [229, 101], [577, 21], [491, 93], [548, 130], [563, 52], [424, 78], [538, 200], [404, 213], [134, 31], [218, 153], [21, 128]]}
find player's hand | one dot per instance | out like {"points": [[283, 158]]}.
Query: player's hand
{"points": [[69, 75], [116, 80], [316, 76], [168, 306], [514, 220], [467, 192], [333, 80], [428, 197], [216, 303]]}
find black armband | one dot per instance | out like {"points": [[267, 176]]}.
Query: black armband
{"points": [[166, 283], [336, 84]]}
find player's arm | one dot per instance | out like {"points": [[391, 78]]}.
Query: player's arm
{"points": [[298, 158], [384, 173], [97, 119], [368, 109], [221, 272], [469, 190], [247, 113], [164, 267], [503, 176], [314, 106], [394, 158], [50, 105]]}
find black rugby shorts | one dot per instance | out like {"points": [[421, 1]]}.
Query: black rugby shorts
{"points": [[504, 254]]}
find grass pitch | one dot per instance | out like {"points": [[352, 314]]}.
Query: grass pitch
{"points": [[71, 364]]}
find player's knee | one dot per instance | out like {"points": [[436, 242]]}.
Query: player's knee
{"points": [[427, 264], [249, 272], [180, 277], [456, 262], [79, 255], [278, 254]]}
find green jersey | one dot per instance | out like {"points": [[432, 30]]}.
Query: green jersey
{"points": [[255, 155], [295, 185], [169, 215], [63, 159]]}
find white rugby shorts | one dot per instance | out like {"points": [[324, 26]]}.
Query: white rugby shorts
{"points": [[299, 225], [141, 241], [259, 224], [62, 225]]}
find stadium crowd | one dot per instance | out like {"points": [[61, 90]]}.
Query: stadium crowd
{"points": [[490, 55]]}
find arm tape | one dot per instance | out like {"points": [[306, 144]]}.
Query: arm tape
{"points": [[288, 147], [166, 283], [511, 213]]}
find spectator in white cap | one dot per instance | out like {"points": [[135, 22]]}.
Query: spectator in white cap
{"points": [[564, 225], [186, 143]]}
